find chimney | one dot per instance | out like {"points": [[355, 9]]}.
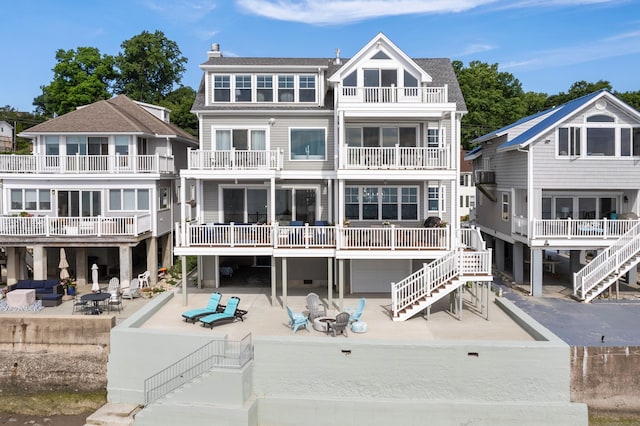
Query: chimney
{"points": [[337, 61], [214, 52]]}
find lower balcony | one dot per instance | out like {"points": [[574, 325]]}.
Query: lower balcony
{"points": [[394, 158], [382, 237], [48, 226]]}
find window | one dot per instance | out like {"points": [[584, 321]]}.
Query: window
{"points": [[285, 88], [308, 144], [163, 194], [122, 145], [351, 80], [433, 136], [381, 203], [601, 141], [569, 141], [265, 88], [76, 145], [243, 88], [433, 198], [221, 88], [52, 145], [30, 199], [630, 141], [505, 206], [241, 139], [307, 91], [129, 199]]}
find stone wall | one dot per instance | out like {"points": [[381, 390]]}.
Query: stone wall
{"points": [[606, 378], [54, 353]]}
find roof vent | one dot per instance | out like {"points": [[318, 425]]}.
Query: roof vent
{"points": [[337, 61], [215, 51]]}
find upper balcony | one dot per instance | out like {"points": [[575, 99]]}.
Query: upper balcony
{"points": [[393, 95], [235, 159], [51, 227], [86, 164], [394, 158]]}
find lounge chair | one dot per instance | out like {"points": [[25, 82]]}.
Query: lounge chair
{"points": [[315, 308], [133, 290], [340, 325], [213, 306], [231, 313], [297, 320], [354, 315]]}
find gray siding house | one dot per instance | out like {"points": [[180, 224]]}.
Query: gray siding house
{"points": [[325, 169], [565, 179]]}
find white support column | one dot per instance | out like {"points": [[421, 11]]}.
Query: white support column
{"points": [[340, 218], [341, 284], [330, 280], [183, 262], [152, 260], [39, 263], [272, 201], [330, 212], [284, 281], [536, 272], [273, 281], [125, 265], [12, 265]]}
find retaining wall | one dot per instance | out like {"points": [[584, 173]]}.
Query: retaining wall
{"points": [[54, 353]]}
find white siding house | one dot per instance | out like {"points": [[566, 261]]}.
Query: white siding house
{"points": [[565, 179], [101, 183]]}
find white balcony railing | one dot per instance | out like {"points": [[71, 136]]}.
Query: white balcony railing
{"points": [[390, 95], [36, 226], [90, 164], [235, 159], [398, 158], [338, 237], [580, 228]]}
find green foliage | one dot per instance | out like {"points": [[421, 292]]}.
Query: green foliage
{"points": [[631, 98], [20, 121], [176, 269], [150, 65], [180, 102], [494, 99], [577, 90], [80, 77]]}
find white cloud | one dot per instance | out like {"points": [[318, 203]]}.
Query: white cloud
{"points": [[610, 47], [327, 12], [472, 49]]}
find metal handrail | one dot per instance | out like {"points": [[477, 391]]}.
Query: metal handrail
{"points": [[220, 353]]}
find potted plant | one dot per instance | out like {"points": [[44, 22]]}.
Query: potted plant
{"points": [[69, 286]]}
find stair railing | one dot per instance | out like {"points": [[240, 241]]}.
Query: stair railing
{"points": [[221, 353], [421, 283], [607, 261]]}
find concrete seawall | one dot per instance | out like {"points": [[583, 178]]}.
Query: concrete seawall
{"points": [[54, 353], [606, 378]]}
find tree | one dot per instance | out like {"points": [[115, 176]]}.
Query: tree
{"points": [[80, 77], [577, 90], [20, 121], [494, 99], [179, 102], [150, 65], [631, 98]]}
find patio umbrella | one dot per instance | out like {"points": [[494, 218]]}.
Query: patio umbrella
{"points": [[63, 265], [94, 277]]}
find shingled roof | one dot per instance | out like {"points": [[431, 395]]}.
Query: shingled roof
{"points": [[116, 115], [440, 69]]}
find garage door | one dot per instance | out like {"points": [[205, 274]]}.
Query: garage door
{"points": [[376, 276]]}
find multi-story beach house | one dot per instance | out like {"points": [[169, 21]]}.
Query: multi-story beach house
{"points": [[335, 173], [565, 179], [101, 184]]}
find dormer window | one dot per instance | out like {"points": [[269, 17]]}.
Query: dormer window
{"points": [[265, 88], [221, 88], [285, 88], [307, 91], [243, 88]]}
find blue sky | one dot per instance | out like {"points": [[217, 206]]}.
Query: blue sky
{"points": [[546, 44]]}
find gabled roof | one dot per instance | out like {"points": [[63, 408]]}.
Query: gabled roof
{"points": [[474, 153], [116, 115], [538, 124]]}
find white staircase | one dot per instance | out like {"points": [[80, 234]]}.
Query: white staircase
{"points": [[608, 266], [437, 279]]}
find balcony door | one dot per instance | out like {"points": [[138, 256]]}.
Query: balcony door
{"points": [[79, 203], [244, 205]]}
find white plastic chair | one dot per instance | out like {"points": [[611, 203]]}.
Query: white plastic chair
{"points": [[144, 279]]}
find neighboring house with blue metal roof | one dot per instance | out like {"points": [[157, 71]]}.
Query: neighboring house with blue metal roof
{"points": [[563, 179]]}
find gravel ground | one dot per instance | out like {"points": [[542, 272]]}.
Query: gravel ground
{"points": [[21, 419]]}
